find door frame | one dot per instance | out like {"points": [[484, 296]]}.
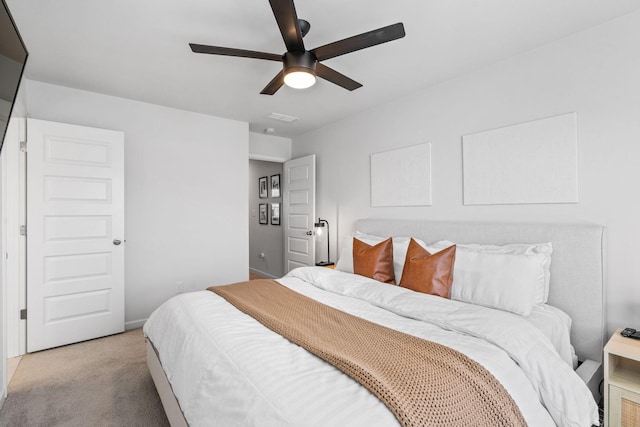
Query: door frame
{"points": [[252, 213], [14, 253]]}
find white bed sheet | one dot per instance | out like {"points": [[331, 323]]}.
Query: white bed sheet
{"points": [[225, 366], [555, 324]]}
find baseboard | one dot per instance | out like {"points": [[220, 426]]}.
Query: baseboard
{"points": [[262, 273], [134, 324]]}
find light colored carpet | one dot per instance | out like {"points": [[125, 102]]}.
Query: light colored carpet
{"points": [[102, 382]]}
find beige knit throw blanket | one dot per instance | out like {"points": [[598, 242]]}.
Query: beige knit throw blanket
{"points": [[423, 383]]}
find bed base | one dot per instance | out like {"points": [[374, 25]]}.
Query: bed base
{"points": [[168, 399]]}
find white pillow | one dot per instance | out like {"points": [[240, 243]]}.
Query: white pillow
{"points": [[542, 250], [400, 246], [503, 281]]}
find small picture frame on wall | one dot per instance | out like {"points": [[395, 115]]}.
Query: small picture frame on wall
{"points": [[275, 185], [262, 188], [263, 215], [275, 213]]}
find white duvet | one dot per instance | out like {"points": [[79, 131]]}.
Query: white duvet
{"points": [[227, 369]]}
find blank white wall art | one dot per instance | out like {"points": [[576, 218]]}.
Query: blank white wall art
{"points": [[402, 177], [534, 162]]}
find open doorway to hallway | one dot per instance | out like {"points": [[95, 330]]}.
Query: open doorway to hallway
{"points": [[266, 237]]}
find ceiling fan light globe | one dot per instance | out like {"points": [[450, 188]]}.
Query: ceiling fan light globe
{"points": [[299, 79]]}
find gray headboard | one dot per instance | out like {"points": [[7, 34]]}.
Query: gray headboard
{"points": [[576, 284]]}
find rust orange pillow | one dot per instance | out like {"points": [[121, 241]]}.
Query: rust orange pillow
{"points": [[375, 261], [428, 273]]}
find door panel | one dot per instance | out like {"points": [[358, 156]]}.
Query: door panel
{"points": [[78, 190], [291, 264], [299, 197], [299, 222], [299, 246], [76, 306], [75, 196], [299, 211], [70, 228], [77, 151]]}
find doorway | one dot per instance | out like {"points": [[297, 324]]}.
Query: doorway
{"points": [[266, 237], [66, 163]]}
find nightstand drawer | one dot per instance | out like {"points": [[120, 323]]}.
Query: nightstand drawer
{"points": [[624, 408]]}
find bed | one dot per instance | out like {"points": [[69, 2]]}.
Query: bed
{"points": [[214, 365]]}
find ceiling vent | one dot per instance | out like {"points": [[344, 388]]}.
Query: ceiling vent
{"points": [[282, 117]]}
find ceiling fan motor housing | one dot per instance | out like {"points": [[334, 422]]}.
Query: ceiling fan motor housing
{"points": [[299, 61]]}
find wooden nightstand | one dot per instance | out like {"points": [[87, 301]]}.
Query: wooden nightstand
{"points": [[622, 381]]}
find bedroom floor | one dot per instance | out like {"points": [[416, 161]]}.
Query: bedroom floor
{"points": [[12, 366], [102, 382]]}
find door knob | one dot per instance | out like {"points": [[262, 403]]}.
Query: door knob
{"points": [[116, 242], [309, 233]]}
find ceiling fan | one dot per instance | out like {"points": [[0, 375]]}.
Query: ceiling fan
{"points": [[301, 66]]}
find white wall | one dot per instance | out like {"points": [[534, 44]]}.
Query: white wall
{"points": [[270, 148], [594, 73], [186, 177]]}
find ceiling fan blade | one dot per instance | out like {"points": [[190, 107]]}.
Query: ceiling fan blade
{"points": [[335, 77], [216, 50], [287, 19], [274, 84], [361, 41]]}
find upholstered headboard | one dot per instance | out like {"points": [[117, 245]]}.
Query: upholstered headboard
{"points": [[576, 284]]}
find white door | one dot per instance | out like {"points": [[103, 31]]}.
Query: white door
{"points": [[75, 233], [299, 212]]}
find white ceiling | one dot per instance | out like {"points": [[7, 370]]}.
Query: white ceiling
{"points": [[138, 49]]}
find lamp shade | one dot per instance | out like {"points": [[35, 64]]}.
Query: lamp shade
{"points": [[299, 79], [319, 226], [299, 69]]}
